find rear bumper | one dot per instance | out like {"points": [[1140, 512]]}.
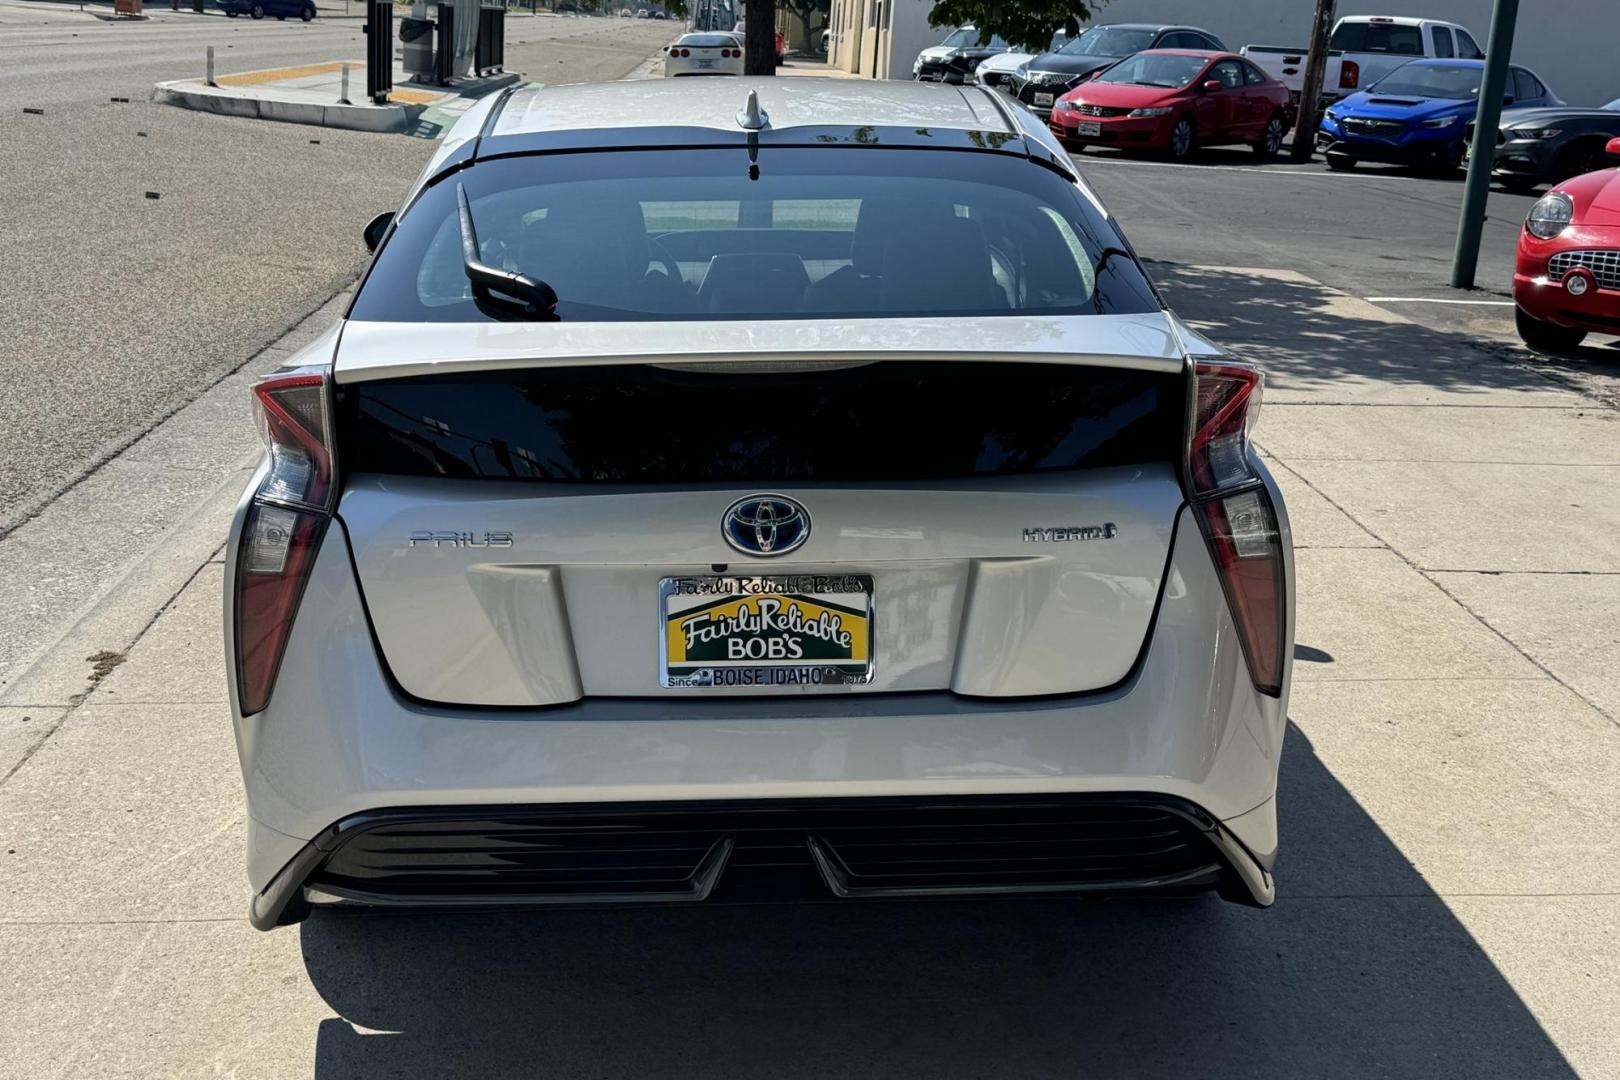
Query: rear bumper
{"points": [[339, 743], [853, 849]]}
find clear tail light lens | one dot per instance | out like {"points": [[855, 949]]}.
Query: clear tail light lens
{"points": [[284, 524], [1236, 516]]}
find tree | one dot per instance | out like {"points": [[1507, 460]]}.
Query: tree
{"points": [[803, 10], [1025, 24], [759, 44]]}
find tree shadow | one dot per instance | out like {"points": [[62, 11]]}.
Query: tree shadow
{"points": [[1359, 970], [1309, 337]]}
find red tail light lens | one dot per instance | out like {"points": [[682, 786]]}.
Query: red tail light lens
{"points": [[1236, 515], [1349, 75], [1227, 406], [284, 525]]}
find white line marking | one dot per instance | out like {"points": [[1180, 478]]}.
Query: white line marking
{"points": [[1433, 300]]}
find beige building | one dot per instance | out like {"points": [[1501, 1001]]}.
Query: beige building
{"points": [[1570, 43]]}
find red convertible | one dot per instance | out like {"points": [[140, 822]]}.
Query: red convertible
{"points": [[1566, 280]]}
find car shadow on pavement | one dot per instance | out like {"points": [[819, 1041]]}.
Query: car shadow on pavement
{"points": [[1358, 970]]}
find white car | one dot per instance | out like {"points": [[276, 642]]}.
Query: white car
{"points": [[759, 487], [704, 54], [1003, 71]]}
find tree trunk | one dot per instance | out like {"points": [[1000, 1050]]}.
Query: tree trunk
{"points": [[759, 44]]}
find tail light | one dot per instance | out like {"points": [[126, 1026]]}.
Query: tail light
{"points": [[285, 522], [1349, 75], [1236, 515]]}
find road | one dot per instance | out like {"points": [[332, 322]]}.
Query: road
{"points": [[122, 307]]}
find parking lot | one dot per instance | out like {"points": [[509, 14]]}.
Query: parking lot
{"points": [[1449, 884]]}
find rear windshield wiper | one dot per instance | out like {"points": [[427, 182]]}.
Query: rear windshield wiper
{"points": [[515, 292]]}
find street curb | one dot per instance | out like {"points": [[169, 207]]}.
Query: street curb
{"points": [[194, 94], [378, 119]]}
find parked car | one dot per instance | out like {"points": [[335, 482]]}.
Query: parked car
{"points": [[1004, 70], [741, 31], [556, 583], [1172, 101], [1363, 49], [1566, 278], [955, 58], [258, 9], [1547, 145], [1053, 74], [703, 54], [1418, 114]]}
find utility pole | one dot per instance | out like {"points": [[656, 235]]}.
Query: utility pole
{"points": [[1482, 157], [1310, 95]]}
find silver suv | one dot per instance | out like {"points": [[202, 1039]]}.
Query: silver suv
{"points": [[806, 494]]}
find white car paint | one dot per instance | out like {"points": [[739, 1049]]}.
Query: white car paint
{"points": [[703, 54]]}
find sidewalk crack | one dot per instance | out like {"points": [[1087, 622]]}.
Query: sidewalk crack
{"points": [[104, 662]]}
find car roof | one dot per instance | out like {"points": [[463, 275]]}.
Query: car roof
{"points": [[1207, 54], [804, 111], [714, 103]]}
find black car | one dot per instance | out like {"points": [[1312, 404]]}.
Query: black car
{"points": [[258, 9], [1053, 74], [1548, 146], [952, 59]]}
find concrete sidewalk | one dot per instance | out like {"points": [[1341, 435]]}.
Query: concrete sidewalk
{"points": [[1449, 890], [314, 94]]}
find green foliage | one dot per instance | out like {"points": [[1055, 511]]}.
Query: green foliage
{"points": [[1025, 24]]}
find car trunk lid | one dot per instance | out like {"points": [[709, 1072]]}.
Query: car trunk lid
{"points": [[523, 520]]}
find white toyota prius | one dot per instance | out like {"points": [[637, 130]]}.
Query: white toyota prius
{"points": [[806, 494]]}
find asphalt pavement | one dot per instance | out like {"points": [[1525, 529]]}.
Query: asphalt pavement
{"points": [[155, 249]]}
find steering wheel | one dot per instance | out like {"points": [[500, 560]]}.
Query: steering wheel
{"points": [[661, 256]]}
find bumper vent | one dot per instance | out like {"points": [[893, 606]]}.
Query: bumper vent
{"points": [[1604, 265], [1382, 129], [854, 848]]}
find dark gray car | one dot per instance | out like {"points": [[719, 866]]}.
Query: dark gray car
{"points": [[1548, 146], [1053, 74]]}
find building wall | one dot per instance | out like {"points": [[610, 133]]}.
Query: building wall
{"points": [[880, 38], [1573, 44]]}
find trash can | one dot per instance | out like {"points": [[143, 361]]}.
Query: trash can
{"points": [[416, 40]]}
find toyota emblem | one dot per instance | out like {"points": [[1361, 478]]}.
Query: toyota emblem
{"points": [[765, 525]]}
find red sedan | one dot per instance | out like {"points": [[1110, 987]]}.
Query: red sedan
{"points": [[1173, 101], [1566, 279]]}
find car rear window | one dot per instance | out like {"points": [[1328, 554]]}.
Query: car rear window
{"points": [[646, 424], [1378, 37], [708, 41], [829, 232]]}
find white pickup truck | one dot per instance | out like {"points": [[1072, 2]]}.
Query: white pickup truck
{"points": [[1363, 49]]}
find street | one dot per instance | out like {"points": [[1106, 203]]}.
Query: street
{"points": [[1449, 883]]}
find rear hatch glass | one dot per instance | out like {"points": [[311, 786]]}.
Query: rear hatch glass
{"points": [[535, 536]]}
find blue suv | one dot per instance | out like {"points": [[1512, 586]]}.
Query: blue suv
{"points": [[1418, 114]]}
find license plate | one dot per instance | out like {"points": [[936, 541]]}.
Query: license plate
{"points": [[704, 63], [1043, 99], [1088, 128], [783, 630]]}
